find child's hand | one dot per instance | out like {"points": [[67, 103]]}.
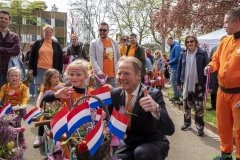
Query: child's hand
{"points": [[64, 93]]}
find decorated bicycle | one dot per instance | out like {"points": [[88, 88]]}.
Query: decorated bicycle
{"points": [[82, 131]]}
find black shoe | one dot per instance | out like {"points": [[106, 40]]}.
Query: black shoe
{"points": [[185, 127], [200, 132], [174, 99], [180, 103], [211, 108]]}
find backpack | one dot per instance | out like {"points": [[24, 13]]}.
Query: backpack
{"points": [[15, 61]]}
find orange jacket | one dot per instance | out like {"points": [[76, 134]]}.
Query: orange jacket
{"points": [[226, 60]]}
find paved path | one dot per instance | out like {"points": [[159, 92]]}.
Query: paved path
{"points": [[185, 145]]}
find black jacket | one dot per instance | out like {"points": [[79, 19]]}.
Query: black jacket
{"points": [[57, 56], [81, 51], [144, 127], [201, 60], [139, 54]]}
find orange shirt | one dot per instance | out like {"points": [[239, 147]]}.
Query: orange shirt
{"points": [[226, 60], [15, 95], [45, 55], [132, 50], [74, 97], [108, 58], [49, 88], [123, 50]]}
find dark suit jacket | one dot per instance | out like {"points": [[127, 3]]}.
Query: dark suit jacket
{"points": [[144, 127]]}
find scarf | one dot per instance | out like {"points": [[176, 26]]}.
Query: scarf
{"points": [[190, 77]]}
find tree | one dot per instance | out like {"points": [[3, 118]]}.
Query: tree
{"points": [[88, 14], [22, 14], [193, 17]]}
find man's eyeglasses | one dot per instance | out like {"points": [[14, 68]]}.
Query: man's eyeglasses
{"points": [[102, 30], [190, 41], [124, 39]]}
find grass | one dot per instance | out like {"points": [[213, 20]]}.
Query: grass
{"points": [[209, 116]]}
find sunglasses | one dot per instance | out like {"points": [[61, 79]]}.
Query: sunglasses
{"points": [[102, 30], [124, 39], [190, 41]]}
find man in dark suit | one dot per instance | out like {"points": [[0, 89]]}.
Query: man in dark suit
{"points": [[149, 121]]}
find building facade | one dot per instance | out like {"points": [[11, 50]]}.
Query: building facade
{"points": [[30, 31]]}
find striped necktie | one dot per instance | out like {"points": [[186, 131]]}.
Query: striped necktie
{"points": [[129, 108]]}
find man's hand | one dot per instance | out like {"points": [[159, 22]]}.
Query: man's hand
{"points": [[179, 88], [147, 103], [64, 93], [206, 69]]}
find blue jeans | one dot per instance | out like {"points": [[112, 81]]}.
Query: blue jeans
{"points": [[173, 81], [38, 80], [3, 81], [32, 87]]}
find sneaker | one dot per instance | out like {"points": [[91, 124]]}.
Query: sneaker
{"points": [[22, 143], [224, 157], [200, 132], [174, 99], [185, 127], [37, 142]]}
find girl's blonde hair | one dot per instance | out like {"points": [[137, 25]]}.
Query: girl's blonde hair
{"points": [[48, 26], [46, 81], [15, 69], [157, 55], [79, 64]]}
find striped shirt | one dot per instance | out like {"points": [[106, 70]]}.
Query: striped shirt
{"points": [[9, 46]]}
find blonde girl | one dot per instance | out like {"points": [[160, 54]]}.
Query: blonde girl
{"points": [[50, 83], [16, 93], [78, 74], [158, 69]]}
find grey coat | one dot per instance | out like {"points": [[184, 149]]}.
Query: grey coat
{"points": [[96, 55]]}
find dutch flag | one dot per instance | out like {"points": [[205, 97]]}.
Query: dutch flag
{"points": [[5, 109], [59, 123], [118, 124], [31, 114], [104, 94], [95, 137], [98, 115], [77, 117]]}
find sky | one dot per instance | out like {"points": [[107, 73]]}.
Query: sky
{"points": [[62, 5]]}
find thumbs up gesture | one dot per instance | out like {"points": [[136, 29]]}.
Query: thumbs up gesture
{"points": [[147, 103]]}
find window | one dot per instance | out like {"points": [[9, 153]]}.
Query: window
{"points": [[32, 21], [34, 38], [60, 23], [61, 40], [46, 21]]}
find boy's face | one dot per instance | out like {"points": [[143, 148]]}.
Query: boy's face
{"points": [[54, 80], [77, 77], [14, 77]]}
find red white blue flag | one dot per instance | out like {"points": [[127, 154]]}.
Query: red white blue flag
{"points": [[77, 117], [71, 59], [31, 114], [59, 123], [118, 124], [5, 109], [207, 87], [72, 30], [94, 138], [104, 94]]}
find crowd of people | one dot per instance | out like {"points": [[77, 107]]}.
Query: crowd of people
{"points": [[137, 77]]}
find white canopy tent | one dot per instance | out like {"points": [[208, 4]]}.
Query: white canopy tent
{"points": [[210, 40]]}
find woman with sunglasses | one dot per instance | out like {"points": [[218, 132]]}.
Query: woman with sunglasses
{"points": [[190, 75]]}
